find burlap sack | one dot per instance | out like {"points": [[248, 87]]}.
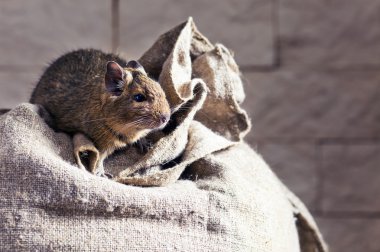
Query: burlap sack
{"points": [[215, 194]]}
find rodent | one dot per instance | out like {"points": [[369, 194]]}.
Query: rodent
{"points": [[111, 101]]}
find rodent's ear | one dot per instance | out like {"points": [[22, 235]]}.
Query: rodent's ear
{"points": [[114, 78], [134, 64]]}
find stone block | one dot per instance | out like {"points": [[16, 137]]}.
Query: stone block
{"points": [[351, 235], [244, 26], [314, 103], [34, 32], [16, 88], [331, 34], [350, 177], [296, 165]]}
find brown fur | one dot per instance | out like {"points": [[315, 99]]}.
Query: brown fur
{"points": [[73, 91]]}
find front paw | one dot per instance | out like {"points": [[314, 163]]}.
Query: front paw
{"points": [[143, 145]]}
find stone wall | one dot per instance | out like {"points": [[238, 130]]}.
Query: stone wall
{"points": [[311, 72]]}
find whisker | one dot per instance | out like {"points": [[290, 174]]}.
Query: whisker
{"points": [[99, 119]]}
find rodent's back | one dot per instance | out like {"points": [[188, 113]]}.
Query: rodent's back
{"points": [[69, 88], [112, 102]]}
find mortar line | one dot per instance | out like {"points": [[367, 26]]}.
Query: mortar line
{"points": [[324, 140], [318, 200], [115, 25], [346, 214], [292, 67], [18, 68], [277, 61], [257, 68]]}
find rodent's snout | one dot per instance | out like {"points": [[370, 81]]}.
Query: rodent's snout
{"points": [[164, 118], [160, 121]]}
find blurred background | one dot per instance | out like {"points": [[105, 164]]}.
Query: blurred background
{"points": [[311, 72]]}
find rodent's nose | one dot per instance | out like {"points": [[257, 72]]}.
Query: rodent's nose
{"points": [[164, 118]]}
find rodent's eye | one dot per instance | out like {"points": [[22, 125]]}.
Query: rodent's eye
{"points": [[139, 98]]}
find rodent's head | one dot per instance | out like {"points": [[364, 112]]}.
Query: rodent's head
{"points": [[133, 103]]}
